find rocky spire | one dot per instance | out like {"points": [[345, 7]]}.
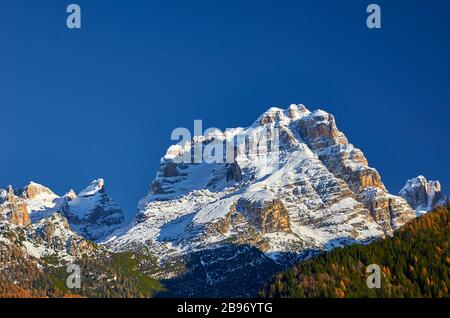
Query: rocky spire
{"points": [[34, 190], [14, 208]]}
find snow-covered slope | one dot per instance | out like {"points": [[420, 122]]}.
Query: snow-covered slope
{"points": [[92, 213], [49, 238], [313, 191]]}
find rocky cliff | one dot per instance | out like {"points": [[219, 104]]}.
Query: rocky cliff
{"points": [[13, 208]]}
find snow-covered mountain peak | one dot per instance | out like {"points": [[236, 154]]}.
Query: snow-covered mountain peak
{"points": [[37, 197], [296, 111], [71, 194], [282, 117], [423, 195], [95, 187], [33, 190], [92, 214], [313, 192]]}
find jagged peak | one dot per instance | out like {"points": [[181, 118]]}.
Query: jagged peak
{"points": [[273, 115], [283, 116], [419, 178], [71, 194], [319, 116], [422, 194], [319, 113], [296, 111], [177, 150], [421, 181], [92, 189], [35, 190], [34, 186]]}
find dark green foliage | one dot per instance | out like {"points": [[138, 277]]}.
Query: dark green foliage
{"points": [[415, 262], [117, 275]]}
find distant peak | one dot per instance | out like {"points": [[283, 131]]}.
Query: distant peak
{"points": [[419, 178], [422, 194], [34, 189], [37, 186], [95, 187], [419, 181], [34, 184]]}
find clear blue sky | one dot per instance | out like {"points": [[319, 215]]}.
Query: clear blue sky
{"points": [[102, 101]]}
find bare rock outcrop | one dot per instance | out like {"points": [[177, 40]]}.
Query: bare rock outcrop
{"points": [[265, 212], [348, 163], [14, 208]]}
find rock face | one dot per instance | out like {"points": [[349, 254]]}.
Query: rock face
{"points": [[423, 195], [267, 213], [390, 211], [348, 163], [38, 199], [13, 208], [283, 200], [34, 191]]}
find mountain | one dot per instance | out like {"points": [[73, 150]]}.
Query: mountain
{"points": [[34, 260], [225, 213], [42, 233], [61, 228], [91, 214], [414, 263], [423, 195], [223, 228]]}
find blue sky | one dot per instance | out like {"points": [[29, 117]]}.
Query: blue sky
{"points": [[102, 101]]}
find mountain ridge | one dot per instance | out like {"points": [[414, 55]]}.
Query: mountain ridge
{"points": [[223, 228], [316, 192]]}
